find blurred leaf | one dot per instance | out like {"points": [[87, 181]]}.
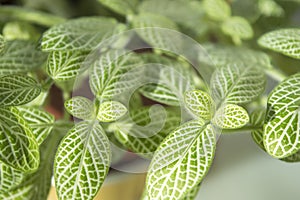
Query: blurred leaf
{"points": [[2, 43], [123, 7], [19, 148], [231, 117], [65, 65], [218, 10], [238, 28], [18, 90], [83, 155], [17, 30], [83, 34], [282, 124], [20, 57], [110, 111], [270, 8], [285, 41], [80, 107]]}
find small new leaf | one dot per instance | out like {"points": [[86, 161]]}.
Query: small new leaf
{"points": [[80, 107], [110, 111], [200, 103], [18, 90], [282, 124], [231, 117], [82, 162], [285, 41]]}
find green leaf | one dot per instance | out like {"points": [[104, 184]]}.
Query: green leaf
{"points": [[19, 148], [257, 119], [9, 177], [107, 72], [65, 65], [2, 43], [20, 30], [130, 135], [270, 8], [37, 185], [110, 111], [123, 7], [152, 29], [218, 10], [181, 161], [222, 55], [82, 34], [18, 90], [237, 85], [231, 117], [175, 77], [82, 162], [238, 28], [80, 107], [191, 195], [285, 41], [200, 103], [282, 124], [40, 122], [20, 57], [293, 158]]}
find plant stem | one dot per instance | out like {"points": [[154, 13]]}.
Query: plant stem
{"points": [[243, 129], [276, 74], [47, 83], [37, 17]]}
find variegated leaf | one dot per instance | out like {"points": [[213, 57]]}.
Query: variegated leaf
{"points": [[82, 34], [107, 72], [18, 90], [282, 124], [20, 57], [18, 148], [181, 161], [9, 177], [231, 116], [257, 119], [82, 162], [237, 85], [200, 103], [285, 41], [40, 122], [110, 111], [65, 65], [80, 107], [2, 43], [191, 195], [130, 135]]}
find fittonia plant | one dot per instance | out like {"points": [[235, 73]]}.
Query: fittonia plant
{"points": [[41, 51]]}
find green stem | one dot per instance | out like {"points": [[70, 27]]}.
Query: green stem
{"points": [[243, 129], [276, 74], [33, 16], [46, 85]]}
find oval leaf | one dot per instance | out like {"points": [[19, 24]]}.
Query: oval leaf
{"points": [[231, 117], [80, 107], [82, 162], [181, 161], [40, 122], [237, 85], [110, 111], [217, 9], [78, 34], [19, 148], [200, 103], [123, 7], [285, 41], [65, 65], [282, 124], [18, 90]]}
